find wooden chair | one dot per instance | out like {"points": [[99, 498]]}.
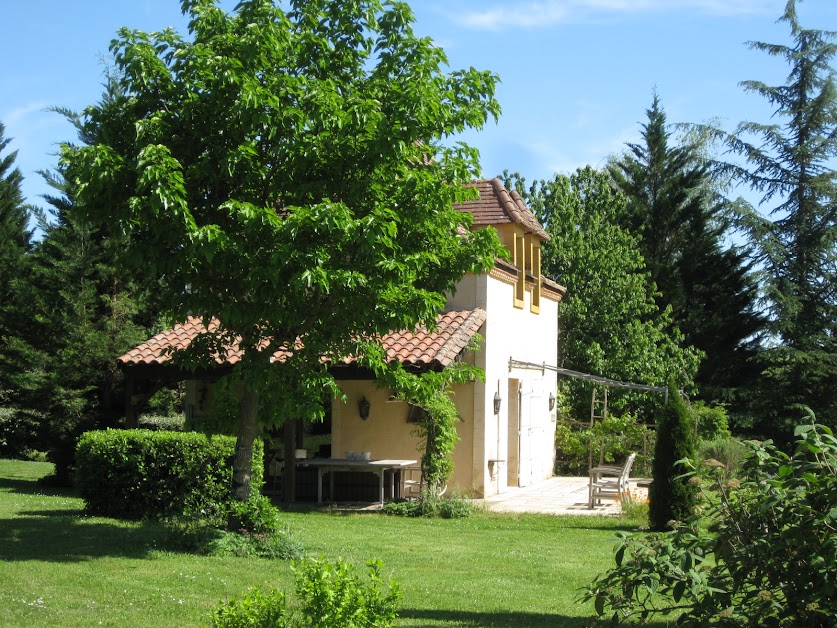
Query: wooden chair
{"points": [[609, 482]]}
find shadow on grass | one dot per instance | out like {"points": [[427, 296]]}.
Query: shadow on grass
{"points": [[33, 487], [502, 619], [62, 536]]}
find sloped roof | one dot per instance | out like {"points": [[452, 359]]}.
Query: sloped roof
{"points": [[497, 206], [419, 347]]}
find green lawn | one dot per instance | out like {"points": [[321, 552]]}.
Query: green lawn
{"points": [[61, 568]]}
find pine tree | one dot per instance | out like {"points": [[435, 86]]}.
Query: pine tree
{"points": [[677, 215], [791, 161], [86, 314], [15, 243]]}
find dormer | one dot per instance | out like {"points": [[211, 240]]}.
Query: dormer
{"points": [[519, 231]]}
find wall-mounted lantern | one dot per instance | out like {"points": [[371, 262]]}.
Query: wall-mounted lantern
{"points": [[551, 401], [363, 408], [498, 401]]}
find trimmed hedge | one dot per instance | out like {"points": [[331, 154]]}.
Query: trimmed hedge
{"points": [[136, 474]]}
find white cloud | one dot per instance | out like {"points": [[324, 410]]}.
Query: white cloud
{"points": [[17, 117], [545, 13]]}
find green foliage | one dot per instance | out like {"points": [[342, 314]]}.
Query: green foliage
{"points": [[611, 324], [257, 515], [436, 430], [333, 594], [710, 421], [729, 451], [277, 545], [672, 498], [83, 315], [289, 163], [431, 506], [329, 595], [255, 609], [20, 432], [612, 438], [789, 161], [144, 474], [768, 558], [679, 218], [157, 422]]}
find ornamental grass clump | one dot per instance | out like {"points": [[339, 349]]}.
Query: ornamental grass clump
{"points": [[768, 555]]}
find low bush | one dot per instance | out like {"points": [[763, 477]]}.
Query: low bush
{"points": [[162, 422], [335, 595], [725, 449], [136, 474], [767, 558], [329, 595], [445, 508], [256, 609], [257, 515], [711, 422]]}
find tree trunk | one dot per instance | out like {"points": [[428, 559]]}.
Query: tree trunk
{"points": [[289, 473], [247, 429]]}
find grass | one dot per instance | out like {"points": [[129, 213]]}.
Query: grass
{"points": [[60, 567]]}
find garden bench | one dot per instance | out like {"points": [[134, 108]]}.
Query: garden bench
{"points": [[609, 482]]}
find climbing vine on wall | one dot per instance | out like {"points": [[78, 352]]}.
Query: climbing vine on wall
{"points": [[436, 429]]}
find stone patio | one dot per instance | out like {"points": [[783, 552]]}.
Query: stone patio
{"points": [[555, 496]]}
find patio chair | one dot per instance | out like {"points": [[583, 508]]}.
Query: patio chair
{"points": [[609, 482]]}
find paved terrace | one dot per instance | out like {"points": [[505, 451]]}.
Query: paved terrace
{"points": [[555, 496]]}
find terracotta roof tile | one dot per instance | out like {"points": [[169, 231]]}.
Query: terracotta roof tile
{"points": [[440, 347], [497, 206]]}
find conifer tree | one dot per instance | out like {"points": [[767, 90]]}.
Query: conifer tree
{"points": [[678, 216], [672, 498], [15, 243], [790, 162]]}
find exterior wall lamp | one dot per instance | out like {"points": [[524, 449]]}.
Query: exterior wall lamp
{"points": [[551, 401], [498, 401], [363, 408]]}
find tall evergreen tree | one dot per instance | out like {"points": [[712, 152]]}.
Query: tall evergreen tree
{"points": [[791, 161], [678, 216], [15, 243], [84, 315]]}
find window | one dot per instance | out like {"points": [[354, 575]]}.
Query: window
{"points": [[535, 265], [520, 262]]}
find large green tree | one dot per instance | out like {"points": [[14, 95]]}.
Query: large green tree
{"points": [[790, 162], [284, 170], [678, 215], [15, 243], [610, 323]]}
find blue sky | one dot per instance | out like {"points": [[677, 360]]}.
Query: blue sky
{"points": [[577, 75]]}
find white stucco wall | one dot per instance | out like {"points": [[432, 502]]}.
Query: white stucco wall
{"points": [[500, 439]]}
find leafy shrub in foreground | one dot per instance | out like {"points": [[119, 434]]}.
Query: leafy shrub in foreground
{"points": [[769, 556], [335, 595], [256, 609], [329, 595], [137, 474]]}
